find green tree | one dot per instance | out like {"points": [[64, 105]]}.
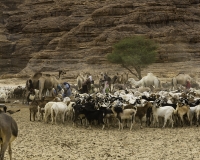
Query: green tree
{"points": [[137, 52]]}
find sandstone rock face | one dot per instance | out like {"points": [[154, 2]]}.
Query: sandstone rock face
{"points": [[48, 35]]}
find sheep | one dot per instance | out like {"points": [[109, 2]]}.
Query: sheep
{"points": [[165, 112], [8, 133]]}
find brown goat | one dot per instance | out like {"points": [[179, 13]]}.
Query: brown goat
{"points": [[34, 109], [128, 113], [142, 111], [37, 105], [8, 133], [182, 110]]}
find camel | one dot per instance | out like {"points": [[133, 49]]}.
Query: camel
{"points": [[125, 77], [81, 78], [181, 80], [122, 78], [8, 133], [104, 77], [42, 82], [147, 81], [119, 78]]}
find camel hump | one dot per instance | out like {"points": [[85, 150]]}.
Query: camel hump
{"points": [[150, 74], [37, 74]]}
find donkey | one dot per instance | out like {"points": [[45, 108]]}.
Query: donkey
{"points": [[8, 133]]}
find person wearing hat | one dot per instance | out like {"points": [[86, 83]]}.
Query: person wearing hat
{"points": [[67, 90]]}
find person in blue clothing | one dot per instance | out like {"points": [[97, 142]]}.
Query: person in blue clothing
{"points": [[67, 90], [59, 88], [57, 91]]}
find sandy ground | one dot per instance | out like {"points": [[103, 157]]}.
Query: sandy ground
{"points": [[40, 141]]}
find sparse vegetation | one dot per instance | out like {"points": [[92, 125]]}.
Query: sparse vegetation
{"points": [[137, 52]]}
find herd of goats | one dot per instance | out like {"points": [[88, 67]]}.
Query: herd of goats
{"points": [[148, 100]]}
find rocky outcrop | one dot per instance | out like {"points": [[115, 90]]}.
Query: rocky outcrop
{"points": [[48, 35]]}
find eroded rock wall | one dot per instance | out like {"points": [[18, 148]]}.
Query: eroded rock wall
{"points": [[48, 35]]}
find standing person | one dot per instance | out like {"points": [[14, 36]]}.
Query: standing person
{"points": [[67, 90], [57, 90], [106, 87], [31, 92], [30, 87], [105, 84], [188, 85]]}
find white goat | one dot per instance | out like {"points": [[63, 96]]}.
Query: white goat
{"points": [[192, 113], [4, 96], [165, 112], [197, 111], [47, 110], [69, 114], [58, 108]]}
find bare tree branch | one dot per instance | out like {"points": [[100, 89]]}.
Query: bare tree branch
{"points": [[123, 65]]}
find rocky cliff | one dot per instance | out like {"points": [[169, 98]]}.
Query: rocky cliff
{"points": [[75, 35]]}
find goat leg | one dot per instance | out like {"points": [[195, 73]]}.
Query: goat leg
{"points": [[10, 151], [141, 123], [30, 115]]}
